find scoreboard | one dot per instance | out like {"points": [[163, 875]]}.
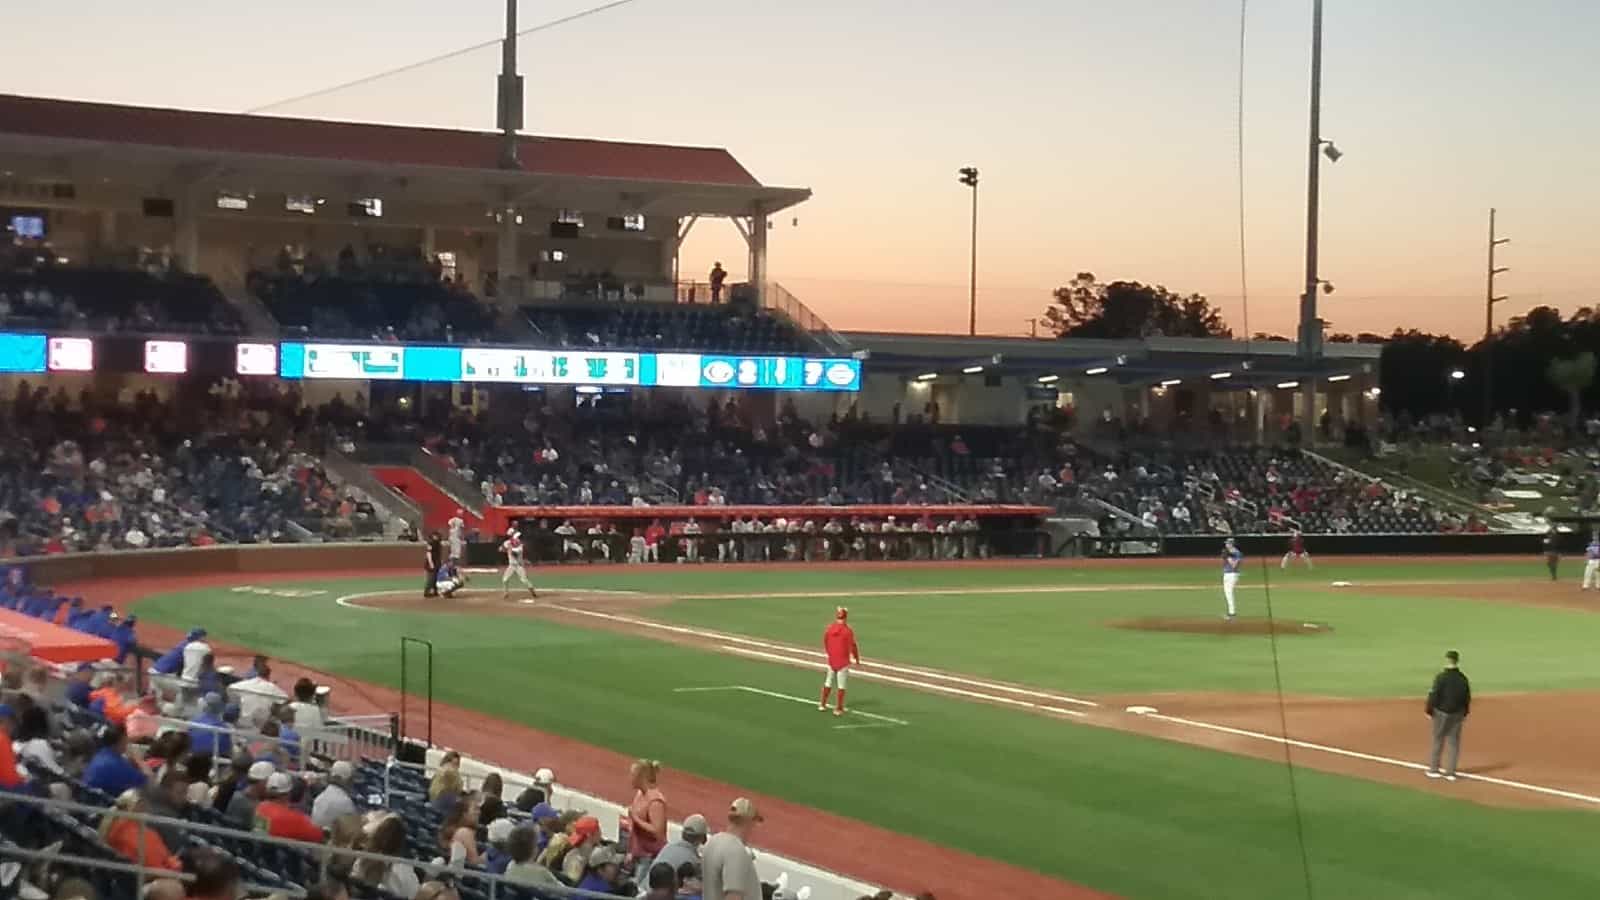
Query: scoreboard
{"points": [[300, 360]]}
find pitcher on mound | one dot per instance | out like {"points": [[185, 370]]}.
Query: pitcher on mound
{"points": [[840, 643]]}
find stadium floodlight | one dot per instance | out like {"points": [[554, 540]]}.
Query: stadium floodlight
{"points": [[1288, 385], [1171, 381], [972, 370], [927, 376], [1457, 374], [1097, 370], [1331, 152], [1338, 377], [1218, 376], [1049, 379]]}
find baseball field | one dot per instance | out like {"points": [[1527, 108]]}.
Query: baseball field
{"points": [[1097, 723]]}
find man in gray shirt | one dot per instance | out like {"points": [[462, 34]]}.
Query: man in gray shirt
{"points": [[687, 847], [241, 811], [728, 871]]}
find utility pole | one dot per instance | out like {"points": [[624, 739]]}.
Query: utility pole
{"points": [[1310, 337], [1033, 327], [969, 177], [1489, 300], [509, 94]]}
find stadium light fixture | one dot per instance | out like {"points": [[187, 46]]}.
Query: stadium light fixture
{"points": [[1171, 381], [1049, 379], [1097, 370], [1457, 374], [1338, 378], [1218, 376], [1288, 385], [972, 370], [927, 376]]}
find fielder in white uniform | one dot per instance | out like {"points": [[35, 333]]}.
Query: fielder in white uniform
{"points": [[1231, 560], [512, 548], [458, 535], [1591, 563]]}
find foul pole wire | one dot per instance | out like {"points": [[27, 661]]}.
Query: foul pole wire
{"points": [[1283, 724]]}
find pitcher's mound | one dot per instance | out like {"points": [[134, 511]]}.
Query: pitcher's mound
{"points": [[1219, 625]]}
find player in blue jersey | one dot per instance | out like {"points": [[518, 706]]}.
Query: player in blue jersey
{"points": [[1232, 559], [1591, 563]]}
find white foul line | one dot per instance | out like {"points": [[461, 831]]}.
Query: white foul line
{"points": [[886, 720], [894, 679], [865, 670], [1369, 757]]}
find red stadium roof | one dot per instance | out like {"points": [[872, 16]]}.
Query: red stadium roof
{"points": [[393, 145]]}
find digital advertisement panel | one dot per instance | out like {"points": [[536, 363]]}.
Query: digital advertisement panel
{"points": [[166, 357], [22, 353]]}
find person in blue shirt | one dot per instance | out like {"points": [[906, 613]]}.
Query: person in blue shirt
{"points": [[78, 686], [602, 876], [171, 662], [99, 624], [74, 607], [208, 680], [288, 738], [124, 638], [209, 738], [79, 618], [110, 770], [1231, 562]]}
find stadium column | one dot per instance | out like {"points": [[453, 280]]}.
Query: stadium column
{"points": [[758, 254], [430, 241], [506, 260], [186, 230]]}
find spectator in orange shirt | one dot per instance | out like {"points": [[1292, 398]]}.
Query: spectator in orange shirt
{"points": [[124, 835], [109, 696], [10, 778]]}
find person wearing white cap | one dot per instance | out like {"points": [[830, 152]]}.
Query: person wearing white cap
{"points": [[241, 811], [277, 817], [498, 856], [334, 801], [729, 870]]}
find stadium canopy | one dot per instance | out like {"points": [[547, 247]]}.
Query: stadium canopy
{"points": [[82, 143], [1223, 361]]}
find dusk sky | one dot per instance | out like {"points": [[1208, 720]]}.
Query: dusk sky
{"points": [[1105, 132]]}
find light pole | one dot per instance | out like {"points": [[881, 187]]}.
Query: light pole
{"points": [[1489, 300], [1310, 325], [1450, 392], [969, 177]]}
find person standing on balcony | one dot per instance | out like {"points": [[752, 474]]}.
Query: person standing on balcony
{"points": [[717, 277]]}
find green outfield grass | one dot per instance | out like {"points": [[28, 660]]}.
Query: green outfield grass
{"points": [[1131, 815]]}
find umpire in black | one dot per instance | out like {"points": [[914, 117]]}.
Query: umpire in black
{"points": [[1552, 551], [1449, 701], [433, 560]]}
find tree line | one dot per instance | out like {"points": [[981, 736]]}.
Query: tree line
{"points": [[1535, 363]]}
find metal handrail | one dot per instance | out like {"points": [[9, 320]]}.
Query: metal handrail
{"points": [[145, 819]]}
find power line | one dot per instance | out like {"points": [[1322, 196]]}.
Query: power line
{"points": [[1244, 274], [368, 79]]}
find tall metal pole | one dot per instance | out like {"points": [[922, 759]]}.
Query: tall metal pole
{"points": [[509, 93], [1310, 324], [972, 290], [1489, 300]]}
